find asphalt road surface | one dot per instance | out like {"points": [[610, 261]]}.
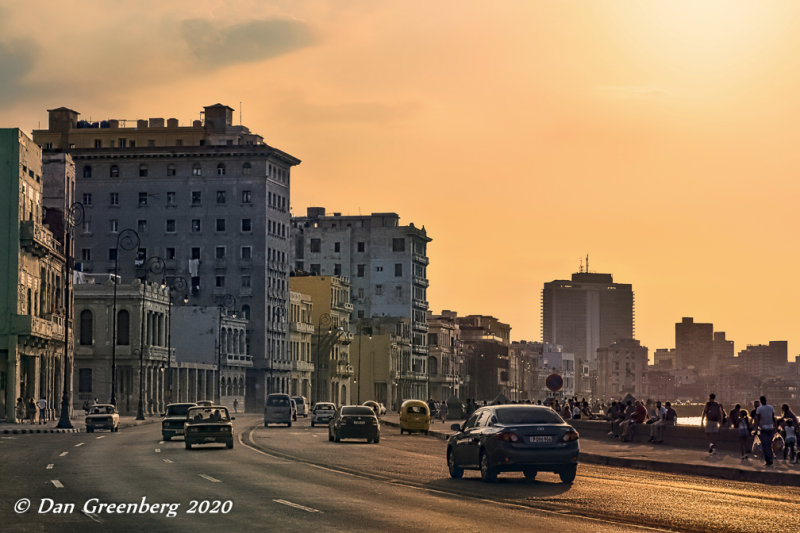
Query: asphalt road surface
{"points": [[294, 479]]}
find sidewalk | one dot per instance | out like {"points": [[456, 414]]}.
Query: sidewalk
{"points": [[661, 458], [78, 425]]}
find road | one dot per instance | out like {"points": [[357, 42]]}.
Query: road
{"points": [[293, 479]]}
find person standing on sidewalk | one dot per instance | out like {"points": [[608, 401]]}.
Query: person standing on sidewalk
{"points": [[765, 422], [42, 409], [744, 427], [20, 411], [236, 405], [713, 414]]}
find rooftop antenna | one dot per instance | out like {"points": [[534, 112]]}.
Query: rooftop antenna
{"points": [[580, 267], [587, 263]]}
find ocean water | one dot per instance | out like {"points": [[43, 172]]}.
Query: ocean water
{"points": [[689, 421]]}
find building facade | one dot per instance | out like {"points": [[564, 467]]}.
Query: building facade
{"points": [[386, 264], [445, 360], [301, 334], [485, 347], [211, 199], [622, 370], [34, 305], [694, 344]]}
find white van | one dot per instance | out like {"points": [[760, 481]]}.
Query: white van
{"points": [[302, 405], [278, 410]]}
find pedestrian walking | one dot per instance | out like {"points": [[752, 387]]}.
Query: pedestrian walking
{"points": [[765, 422], [790, 441], [30, 411], [42, 403], [744, 428], [713, 415], [20, 411], [236, 405]]}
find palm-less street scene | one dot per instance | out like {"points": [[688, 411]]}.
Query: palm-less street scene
{"points": [[364, 266]]}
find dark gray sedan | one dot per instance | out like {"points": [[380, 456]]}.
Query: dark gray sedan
{"points": [[514, 438], [354, 422]]}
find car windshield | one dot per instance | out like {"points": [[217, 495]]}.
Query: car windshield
{"points": [[208, 414], [357, 411], [416, 410], [178, 410], [278, 401], [325, 407], [298, 401], [102, 410], [532, 415]]}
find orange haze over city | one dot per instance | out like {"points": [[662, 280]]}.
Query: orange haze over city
{"points": [[659, 138]]}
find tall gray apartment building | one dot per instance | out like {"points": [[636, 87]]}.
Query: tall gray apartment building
{"points": [[585, 313], [211, 199], [387, 267]]}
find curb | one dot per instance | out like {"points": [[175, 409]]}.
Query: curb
{"points": [[49, 430]]}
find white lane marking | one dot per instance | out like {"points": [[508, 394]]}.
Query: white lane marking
{"points": [[50, 466], [62, 454], [101, 437], [297, 506], [161, 442], [158, 450], [57, 483], [168, 460], [79, 445], [93, 517], [211, 479]]}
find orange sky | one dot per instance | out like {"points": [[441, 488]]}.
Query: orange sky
{"points": [[658, 137]]}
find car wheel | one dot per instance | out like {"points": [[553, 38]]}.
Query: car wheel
{"points": [[568, 474], [188, 445], [330, 437], [289, 424], [336, 438], [266, 424], [530, 475], [376, 440], [455, 471], [426, 431], [229, 444], [401, 431], [488, 474]]}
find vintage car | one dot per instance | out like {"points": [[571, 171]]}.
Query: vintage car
{"points": [[174, 418], [208, 423], [415, 416], [374, 406], [102, 416]]}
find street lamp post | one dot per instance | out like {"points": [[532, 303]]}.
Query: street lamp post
{"points": [[361, 331], [71, 220], [127, 239], [178, 284], [155, 265]]}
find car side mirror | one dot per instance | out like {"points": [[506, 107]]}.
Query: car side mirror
{"points": [[455, 427]]}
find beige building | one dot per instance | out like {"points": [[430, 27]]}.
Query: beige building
{"points": [[331, 310], [301, 332], [622, 369], [445, 362], [379, 345]]}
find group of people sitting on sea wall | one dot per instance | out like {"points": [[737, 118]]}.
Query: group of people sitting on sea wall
{"points": [[626, 415]]}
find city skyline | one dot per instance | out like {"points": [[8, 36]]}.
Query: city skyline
{"points": [[655, 138]]}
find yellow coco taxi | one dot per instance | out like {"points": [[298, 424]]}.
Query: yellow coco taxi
{"points": [[414, 416]]}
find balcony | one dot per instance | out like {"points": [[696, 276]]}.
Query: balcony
{"points": [[301, 327], [421, 259], [420, 281], [38, 240], [281, 366], [343, 369], [302, 366], [239, 360], [45, 329], [421, 304]]}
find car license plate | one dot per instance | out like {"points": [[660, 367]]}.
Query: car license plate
{"points": [[209, 439], [541, 438], [359, 422]]}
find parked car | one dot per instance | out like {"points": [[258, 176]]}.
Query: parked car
{"points": [[514, 438], [354, 422], [383, 408], [102, 416], [205, 402], [374, 406], [322, 413], [278, 410], [208, 423], [294, 409], [414, 416], [174, 419], [302, 405]]}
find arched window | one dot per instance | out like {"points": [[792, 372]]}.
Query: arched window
{"points": [[142, 170], [228, 389], [241, 387], [114, 171], [87, 171], [123, 328], [221, 169], [246, 169], [86, 328]]}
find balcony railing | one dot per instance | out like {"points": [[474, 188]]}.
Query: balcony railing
{"points": [[302, 327], [302, 366], [38, 240], [51, 328]]}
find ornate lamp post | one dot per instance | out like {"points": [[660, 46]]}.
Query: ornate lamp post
{"points": [[127, 239], [155, 265], [178, 284], [71, 220], [361, 332]]}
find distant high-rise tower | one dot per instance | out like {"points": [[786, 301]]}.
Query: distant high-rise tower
{"points": [[586, 313]]}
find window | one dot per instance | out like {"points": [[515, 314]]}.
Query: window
{"points": [[246, 312], [170, 253], [114, 171], [171, 199], [86, 254], [220, 281], [171, 226], [246, 252], [196, 252], [195, 225], [113, 225], [379, 290], [141, 226], [378, 269], [123, 328], [245, 282], [246, 197], [87, 226], [220, 252], [196, 169], [246, 225], [178, 142], [98, 143], [398, 245], [197, 198], [361, 246], [220, 224], [151, 143], [398, 270], [87, 199], [337, 247], [142, 171], [132, 143], [113, 198], [398, 291], [142, 199], [87, 171], [112, 254], [337, 269], [84, 380], [360, 271], [316, 269], [221, 169], [220, 197], [86, 328], [122, 142], [170, 170], [316, 245], [246, 169]]}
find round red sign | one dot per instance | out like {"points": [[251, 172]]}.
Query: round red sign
{"points": [[554, 382]]}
